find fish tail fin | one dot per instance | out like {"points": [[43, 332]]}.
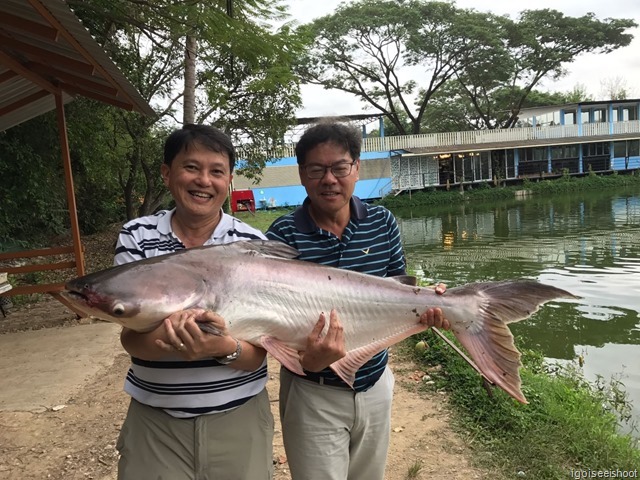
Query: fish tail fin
{"points": [[488, 339]]}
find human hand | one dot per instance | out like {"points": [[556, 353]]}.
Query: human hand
{"points": [[440, 288], [185, 336], [434, 317], [323, 350]]}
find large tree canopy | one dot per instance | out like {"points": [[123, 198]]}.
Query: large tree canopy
{"points": [[395, 56], [221, 59]]}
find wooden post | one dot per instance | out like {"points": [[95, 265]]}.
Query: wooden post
{"points": [[68, 179]]}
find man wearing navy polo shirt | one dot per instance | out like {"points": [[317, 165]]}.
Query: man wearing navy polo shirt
{"points": [[330, 431]]}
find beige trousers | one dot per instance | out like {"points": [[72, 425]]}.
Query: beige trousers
{"points": [[333, 433], [233, 445]]}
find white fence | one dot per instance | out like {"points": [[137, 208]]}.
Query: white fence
{"points": [[473, 137]]}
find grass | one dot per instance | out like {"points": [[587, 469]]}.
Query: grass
{"points": [[486, 191], [414, 470], [568, 425], [261, 219]]}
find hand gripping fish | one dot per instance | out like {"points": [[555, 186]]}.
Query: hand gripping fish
{"points": [[271, 300]]}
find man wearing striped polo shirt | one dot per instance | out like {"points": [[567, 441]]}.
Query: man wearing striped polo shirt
{"points": [[330, 431], [199, 407]]}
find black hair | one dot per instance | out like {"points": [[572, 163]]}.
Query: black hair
{"points": [[209, 137], [329, 132]]}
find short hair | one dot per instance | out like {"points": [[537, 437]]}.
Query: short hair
{"points": [[340, 134], [209, 137]]}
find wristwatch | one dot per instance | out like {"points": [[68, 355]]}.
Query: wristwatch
{"points": [[227, 359]]}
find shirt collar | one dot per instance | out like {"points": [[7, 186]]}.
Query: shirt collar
{"points": [[164, 224], [305, 224]]}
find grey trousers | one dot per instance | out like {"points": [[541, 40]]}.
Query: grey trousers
{"points": [[233, 445], [333, 433]]}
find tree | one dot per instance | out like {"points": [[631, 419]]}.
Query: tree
{"points": [[242, 71], [396, 56], [538, 45], [614, 88], [375, 49]]}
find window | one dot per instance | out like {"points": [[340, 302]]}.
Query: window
{"points": [[595, 149]]}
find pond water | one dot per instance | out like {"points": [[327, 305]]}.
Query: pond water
{"points": [[587, 243]]}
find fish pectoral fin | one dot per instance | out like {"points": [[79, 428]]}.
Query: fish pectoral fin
{"points": [[287, 356], [347, 366]]}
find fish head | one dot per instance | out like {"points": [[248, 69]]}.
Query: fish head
{"points": [[138, 296]]}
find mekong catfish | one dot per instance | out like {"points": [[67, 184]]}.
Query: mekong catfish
{"points": [[271, 300]]}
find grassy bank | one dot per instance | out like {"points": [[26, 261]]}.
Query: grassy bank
{"points": [[569, 424], [486, 191]]}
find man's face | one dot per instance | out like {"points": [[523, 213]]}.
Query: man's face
{"points": [[329, 194], [198, 180]]}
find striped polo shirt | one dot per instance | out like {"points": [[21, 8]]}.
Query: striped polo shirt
{"points": [[370, 244], [185, 388]]}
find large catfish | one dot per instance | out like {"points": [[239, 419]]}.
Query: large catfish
{"points": [[272, 300]]}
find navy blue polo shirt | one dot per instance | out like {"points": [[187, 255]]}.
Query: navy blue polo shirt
{"points": [[370, 244]]}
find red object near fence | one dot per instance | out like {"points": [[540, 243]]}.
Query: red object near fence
{"points": [[242, 201]]}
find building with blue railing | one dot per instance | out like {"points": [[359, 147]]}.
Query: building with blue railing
{"points": [[597, 136]]}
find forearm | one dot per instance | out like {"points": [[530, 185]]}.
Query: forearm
{"points": [[143, 345], [250, 359]]}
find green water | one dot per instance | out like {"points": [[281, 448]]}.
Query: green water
{"points": [[588, 244]]}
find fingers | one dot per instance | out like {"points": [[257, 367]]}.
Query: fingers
{"points": [[434, 317], [316, 333], [181, 329], [335, 332]]}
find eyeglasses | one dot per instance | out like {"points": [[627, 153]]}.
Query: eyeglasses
{"points": [[338, 170]]}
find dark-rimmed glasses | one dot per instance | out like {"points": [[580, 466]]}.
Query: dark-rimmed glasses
{"points": [[338, 170]]}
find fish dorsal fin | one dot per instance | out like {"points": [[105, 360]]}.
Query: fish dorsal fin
{"points": [[268, 248], [405, 280]]}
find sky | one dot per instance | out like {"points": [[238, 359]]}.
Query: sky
{"points": [[589, 70]]}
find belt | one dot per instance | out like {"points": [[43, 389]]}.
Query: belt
{"points": [[322, 380], [337, 382]]}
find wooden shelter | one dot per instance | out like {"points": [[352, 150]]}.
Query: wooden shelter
{"points": [[47, 57]]}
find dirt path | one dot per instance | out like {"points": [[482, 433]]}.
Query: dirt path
{"points": [[62, 405]]}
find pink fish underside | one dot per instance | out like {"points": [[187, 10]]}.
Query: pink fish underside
{"points": [[347, 366]]}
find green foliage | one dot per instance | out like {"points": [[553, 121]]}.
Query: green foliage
{"points": [[485, 192], [243, 79], [567, 424], [32, 182]]}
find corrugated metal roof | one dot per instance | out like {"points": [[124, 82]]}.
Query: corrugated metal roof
{"points": [[46, 51]]}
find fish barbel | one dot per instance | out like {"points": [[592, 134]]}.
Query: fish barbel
{"points": [[273, 301]]}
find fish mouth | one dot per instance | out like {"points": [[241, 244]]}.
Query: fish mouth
{"points": [[75, 296]]}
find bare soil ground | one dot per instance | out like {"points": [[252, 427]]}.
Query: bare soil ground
{"points": [[62, 403]]}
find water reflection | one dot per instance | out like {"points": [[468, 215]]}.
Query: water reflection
{"points": [[587, 244]]}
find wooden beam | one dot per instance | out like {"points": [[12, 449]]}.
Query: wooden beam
{"points": [[97, 96], [29, 26], [29, 50], [8, 75], [68, 179], [23, 102], [39, 267], [29, 289], [70, 78], [42, 252], [13, 64]]}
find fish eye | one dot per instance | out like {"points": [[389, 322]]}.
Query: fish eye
{"points": [[118, 309]]}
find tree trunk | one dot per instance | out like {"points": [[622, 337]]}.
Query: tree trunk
{"points": [[189, 113]]}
